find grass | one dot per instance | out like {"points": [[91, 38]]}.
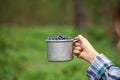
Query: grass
{"points": [[30, 44]]}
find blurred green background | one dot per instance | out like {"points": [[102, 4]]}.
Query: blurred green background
{"points": [[26, 24]]}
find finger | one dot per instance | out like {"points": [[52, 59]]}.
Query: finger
{"points": [[80, 37], [78, 48], [76, 52], [77, 44], [82, 55], [77, 38]]}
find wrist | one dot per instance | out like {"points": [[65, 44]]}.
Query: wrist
{"points": [[95, 54]]}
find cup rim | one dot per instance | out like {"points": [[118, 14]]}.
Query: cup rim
{"points": [[69, 40]]}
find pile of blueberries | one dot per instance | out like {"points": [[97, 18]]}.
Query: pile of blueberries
{"points": [[60, 37]]}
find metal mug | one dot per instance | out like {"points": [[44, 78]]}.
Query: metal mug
{"points": [[59, 50]]}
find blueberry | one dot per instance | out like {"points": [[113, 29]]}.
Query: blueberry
{"points": [[60, 37]]}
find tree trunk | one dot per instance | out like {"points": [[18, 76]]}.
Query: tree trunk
{"points": [[104, 11], [79, 14]]}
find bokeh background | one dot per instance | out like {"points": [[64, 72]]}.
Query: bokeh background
{"points": [[26, 24]]}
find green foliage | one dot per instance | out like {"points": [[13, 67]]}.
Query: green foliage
{"points": [[98, 33], [36, 12], [47, 11], [11, 63], [23, 53]]}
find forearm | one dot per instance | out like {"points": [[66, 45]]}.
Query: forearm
{"points": [[103, 68]]}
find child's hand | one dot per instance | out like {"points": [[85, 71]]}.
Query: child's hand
{"points": [[83, 49]]}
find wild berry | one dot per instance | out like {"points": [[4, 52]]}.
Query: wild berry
{"points": [[60, 37]]}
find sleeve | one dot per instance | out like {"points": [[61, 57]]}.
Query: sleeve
{"points": [[103, 69]]}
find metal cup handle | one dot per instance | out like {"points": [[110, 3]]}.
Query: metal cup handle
{"points": [[77, 41]]}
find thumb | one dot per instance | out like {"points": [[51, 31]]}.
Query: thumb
{"points": [[81, 37], [84, 42]]}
